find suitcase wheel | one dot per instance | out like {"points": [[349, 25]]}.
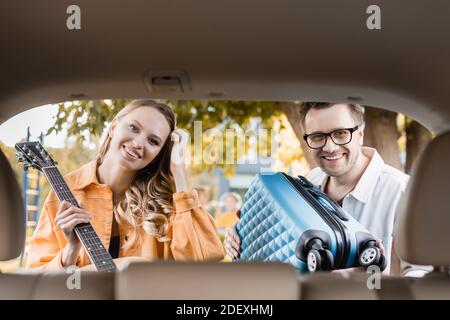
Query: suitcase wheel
{"points": [[318, 260], [370, 256], [314, 260]]}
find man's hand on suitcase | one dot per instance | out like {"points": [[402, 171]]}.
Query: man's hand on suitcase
{"points": [[232, 242], [345, 273], [381, 247]]}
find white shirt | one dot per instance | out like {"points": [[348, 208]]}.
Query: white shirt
{"points": [[374, 199]]}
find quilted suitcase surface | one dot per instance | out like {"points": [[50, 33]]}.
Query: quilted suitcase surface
{"points": [[287, 219]]}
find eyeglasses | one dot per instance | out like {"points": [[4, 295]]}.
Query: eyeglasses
{"points": [[338, 136]]}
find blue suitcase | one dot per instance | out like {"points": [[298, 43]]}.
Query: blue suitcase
{"points": [[290, 220]]}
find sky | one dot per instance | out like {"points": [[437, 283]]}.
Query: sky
{"points": [[39, 120]]}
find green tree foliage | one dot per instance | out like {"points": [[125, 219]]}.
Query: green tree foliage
{"points": [[81, 117], [87, 119], [84, 118]]}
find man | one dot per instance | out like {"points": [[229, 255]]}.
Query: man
{"points": [[354, 176]]}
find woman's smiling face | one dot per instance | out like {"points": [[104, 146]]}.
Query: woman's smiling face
{"points": [[138, 137]]}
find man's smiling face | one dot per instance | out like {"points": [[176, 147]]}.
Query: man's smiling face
{"points": [[335, 160]]}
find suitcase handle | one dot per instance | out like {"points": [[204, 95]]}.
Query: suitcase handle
{"points": [[323, 199], [332, 206]]}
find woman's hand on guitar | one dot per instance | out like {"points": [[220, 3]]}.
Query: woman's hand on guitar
{"points": [[232, 243], [69, 216]]}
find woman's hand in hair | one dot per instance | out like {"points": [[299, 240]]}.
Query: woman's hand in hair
{"points": [[67, 217], [179, 149]]}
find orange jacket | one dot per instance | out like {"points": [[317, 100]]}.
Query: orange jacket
{"points": [[192, 229]]}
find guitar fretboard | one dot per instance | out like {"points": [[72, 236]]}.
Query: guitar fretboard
{"points": [[94, 247]]}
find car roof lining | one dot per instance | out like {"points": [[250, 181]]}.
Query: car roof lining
{"points": [[253, 50]]}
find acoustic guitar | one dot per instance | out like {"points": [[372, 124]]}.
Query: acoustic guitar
{"points": [[32, 154]]}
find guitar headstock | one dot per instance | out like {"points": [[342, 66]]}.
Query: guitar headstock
{"points": [[33, 154]]}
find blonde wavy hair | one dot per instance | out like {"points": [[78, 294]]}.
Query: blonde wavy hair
{"points": [[148, 200]]}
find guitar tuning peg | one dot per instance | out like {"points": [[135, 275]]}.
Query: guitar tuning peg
{"points": [[20, 157], [25, 166]]}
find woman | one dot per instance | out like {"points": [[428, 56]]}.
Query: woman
{"points": [[135, 195]]}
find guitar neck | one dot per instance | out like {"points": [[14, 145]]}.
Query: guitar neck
{"points": [[94, 247]]}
